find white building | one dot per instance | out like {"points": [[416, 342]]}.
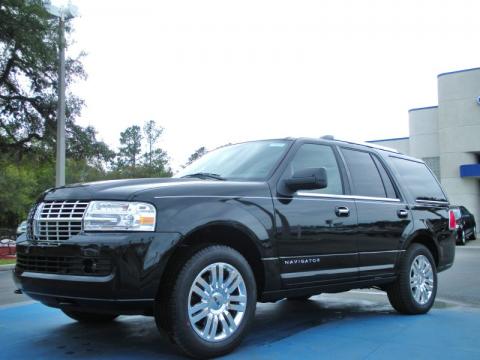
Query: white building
{"points": [[447, 137]]}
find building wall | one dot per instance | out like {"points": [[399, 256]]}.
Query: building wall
{"points": [[399, 144], [448, 136], [423, 125], [459, 135]]}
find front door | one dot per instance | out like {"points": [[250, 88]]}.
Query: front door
{"points": [[316, 229]]}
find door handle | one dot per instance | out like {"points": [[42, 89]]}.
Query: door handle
{"points": [[402, 213], [342, 211]]}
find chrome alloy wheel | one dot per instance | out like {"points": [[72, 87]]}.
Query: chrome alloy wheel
{"points": [[421, 279], [217, 302]]}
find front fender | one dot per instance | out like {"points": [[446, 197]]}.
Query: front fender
{"points": [[254, 216]]}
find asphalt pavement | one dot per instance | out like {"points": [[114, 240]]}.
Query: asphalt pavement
{"points": [[359, 324]]}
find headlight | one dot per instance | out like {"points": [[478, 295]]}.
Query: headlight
{"points": [[119, 216]]}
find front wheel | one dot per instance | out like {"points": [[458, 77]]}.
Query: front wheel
{"points": [[88, 317], [415, 289], [212, 302], [463, 238]]}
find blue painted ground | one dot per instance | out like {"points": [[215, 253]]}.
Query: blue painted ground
{"points": [[327, 327]]}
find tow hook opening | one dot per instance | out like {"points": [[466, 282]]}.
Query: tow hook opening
{"points": [[89, 266]]}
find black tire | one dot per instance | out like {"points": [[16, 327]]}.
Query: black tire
{"points": [[174, 317], [299, 298], [463, 238], [474, 234], [87, 317], [400, 294]]}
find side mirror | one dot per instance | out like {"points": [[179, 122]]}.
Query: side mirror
{"points": [[307, 179]]}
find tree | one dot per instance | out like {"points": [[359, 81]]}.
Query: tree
{"points": [[131, 141], [28, 104], [197, 155], [158, 166], [29, 79], [152, 133]]}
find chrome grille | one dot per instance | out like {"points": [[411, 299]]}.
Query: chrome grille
{"points": [[58, 220]]}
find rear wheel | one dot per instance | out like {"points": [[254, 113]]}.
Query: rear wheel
{"points": [[415, 289], [88, 317], [463, 238], [211, 303], [474, 233]]}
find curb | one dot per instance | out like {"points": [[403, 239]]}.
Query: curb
{"points": [[7, 267]]}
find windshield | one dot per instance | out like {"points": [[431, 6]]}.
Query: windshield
{"points": [[246, 161]]}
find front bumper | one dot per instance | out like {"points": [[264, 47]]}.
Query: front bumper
{"points": [[128, 284]]}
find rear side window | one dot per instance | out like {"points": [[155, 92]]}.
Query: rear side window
{"points": [[387, 182], [418, 179], [366, 179]]}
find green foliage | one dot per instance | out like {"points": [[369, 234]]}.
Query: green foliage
{"points": [[131, 147], [28, 105], [152, 132], [153, 162], [28, 78], [18, 186], [196, 155]]}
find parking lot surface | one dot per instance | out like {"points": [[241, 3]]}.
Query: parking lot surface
{"points": [[359, 324], [355, 325]]}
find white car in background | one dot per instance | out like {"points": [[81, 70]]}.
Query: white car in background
{"points": [[22, 228]]}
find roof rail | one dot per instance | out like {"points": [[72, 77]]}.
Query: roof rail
{"points": [[327, 137], [373, 146]]}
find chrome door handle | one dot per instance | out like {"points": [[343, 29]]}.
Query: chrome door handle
{"points": [[342, 211], [402, 213]]}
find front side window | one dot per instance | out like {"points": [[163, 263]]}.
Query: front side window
{"points": [[252, 161], [317, 156]]}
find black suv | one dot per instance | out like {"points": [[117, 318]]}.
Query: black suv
{"points": [[256, 221], [466, 225]]}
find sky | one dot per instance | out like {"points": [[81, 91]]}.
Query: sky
{"points": [[217, 72]]}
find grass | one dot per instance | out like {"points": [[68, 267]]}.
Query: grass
{"points": [[7, 261]]}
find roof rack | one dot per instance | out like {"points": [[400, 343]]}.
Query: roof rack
{"points": [[370, 145], [327, 137]]}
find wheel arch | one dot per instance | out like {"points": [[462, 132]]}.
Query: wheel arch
{"points": [[426, 239], [232, 234]]}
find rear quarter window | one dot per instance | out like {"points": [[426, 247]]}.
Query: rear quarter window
{"points": [[418, 179]]}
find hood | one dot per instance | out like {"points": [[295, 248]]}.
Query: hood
{"points": [[110, 189], [147, 189]]}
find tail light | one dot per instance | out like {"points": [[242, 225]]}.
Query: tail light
{"points": [[452, 223]]}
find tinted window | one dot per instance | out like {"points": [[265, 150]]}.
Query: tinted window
{"points": [[317, 156], [387, 182], [365, 176], [418, 179]]}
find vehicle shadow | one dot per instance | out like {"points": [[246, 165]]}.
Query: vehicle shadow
{"points": [[274, 322], [137, 336]]}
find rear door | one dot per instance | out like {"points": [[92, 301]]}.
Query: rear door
{"points": [[382, 216]]}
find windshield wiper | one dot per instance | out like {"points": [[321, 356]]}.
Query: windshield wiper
{"points": [[205, 175]]}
